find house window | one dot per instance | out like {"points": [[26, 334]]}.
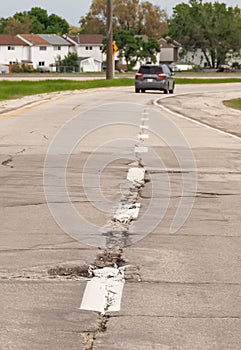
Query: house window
{"points": [[11, 47], [42, 48], [88, 48], [101, 48], [57, 48], [12, 62], [41, 63]]}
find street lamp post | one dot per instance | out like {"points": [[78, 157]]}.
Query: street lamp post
{"points": [[109, 65]]}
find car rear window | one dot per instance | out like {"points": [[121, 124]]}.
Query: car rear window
{"points": [[150, 70]]}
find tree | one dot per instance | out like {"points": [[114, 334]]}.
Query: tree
{"points": [[14, 26], [135, 48], [141, 16], [211, 27], [149, 50], [57, 25], [68, 60], [35, 21], [3, 24]]}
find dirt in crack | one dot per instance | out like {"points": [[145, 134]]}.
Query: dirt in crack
{"points": [[91, 336], [105, 258], [69, 271], [7, 161]]}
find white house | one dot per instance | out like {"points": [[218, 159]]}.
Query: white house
{"points": [[12, 49], [37, 50], [45, 49], [87, 46]]}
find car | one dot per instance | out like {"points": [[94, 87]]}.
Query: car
{"points": [[154, 77]]}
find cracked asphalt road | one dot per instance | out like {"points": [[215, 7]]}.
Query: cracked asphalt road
{"points": [[183, 290]]}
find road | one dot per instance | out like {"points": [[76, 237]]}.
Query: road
{"points": [[183, 254]]}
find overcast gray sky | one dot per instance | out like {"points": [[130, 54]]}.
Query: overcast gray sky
{"points": [[72, 10]]}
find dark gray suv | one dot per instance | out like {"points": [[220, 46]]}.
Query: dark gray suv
{"points": [[154, 77]]}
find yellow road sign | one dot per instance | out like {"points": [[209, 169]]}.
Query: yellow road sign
{"points": [[114, 47]]}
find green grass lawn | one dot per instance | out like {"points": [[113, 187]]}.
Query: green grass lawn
{"points": [[16, 89], [233, 103]]}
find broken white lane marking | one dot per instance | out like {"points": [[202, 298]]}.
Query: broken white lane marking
{"points": [[141, 149], [142, 126], [145, 119], [127, 213], [104, 292], [143, 136], [136, 175]]}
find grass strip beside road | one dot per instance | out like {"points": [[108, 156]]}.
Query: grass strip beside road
{"points": [[16, 89], [236, 103], [10, 90], [207, 80]]}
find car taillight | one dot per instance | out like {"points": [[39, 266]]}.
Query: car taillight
{"points": [[162, 75], [139, 75]]}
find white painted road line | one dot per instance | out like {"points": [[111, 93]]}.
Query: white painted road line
{"points": [[142, 126], [141, 149], [144, 119], [103, 295], [143, 136], [196, 121], [136, 175]]}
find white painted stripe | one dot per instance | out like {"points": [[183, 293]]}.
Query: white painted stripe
{"points": [[128, 212], [143, 119], [144, 126], [179, 115], [136, 175], [140, 149], [143, 136], [103, 295]]}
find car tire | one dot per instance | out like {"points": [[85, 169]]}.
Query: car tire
{"points": [[172, 90], [165, 91], [143, 90], [137, 90]]}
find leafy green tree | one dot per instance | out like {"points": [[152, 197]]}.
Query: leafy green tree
{"points": [[35, 21], [68, 60], [57, 25], [3, 24], [213, 28], [141, 16], [135, 48], [149, 49]]}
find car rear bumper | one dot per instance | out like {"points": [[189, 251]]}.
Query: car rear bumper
{"points": [[154, 85]]}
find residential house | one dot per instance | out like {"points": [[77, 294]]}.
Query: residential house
{"points": [[88, 48], [169, 51], [45, 49], [12, 50]]}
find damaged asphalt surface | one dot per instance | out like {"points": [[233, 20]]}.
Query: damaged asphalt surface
{"points": [[182, 291]]}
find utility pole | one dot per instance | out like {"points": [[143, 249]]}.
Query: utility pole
{"points": [[109, 37]]}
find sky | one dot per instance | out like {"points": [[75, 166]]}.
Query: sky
{"points": [[73, 10]]}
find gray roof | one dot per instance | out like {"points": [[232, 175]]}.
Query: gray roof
{"points": [[54, 39]]}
